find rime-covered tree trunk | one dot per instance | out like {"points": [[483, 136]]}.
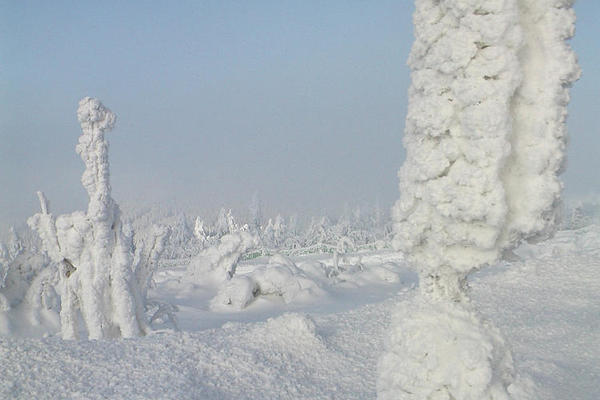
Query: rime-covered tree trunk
{"points": [[94, 253], [485, 139]]}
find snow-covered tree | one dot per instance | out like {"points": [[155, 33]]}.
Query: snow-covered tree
{"points": [[255, 211], [485, 138], [319, 232], [279, 230], [200, 231], [95, 255]]}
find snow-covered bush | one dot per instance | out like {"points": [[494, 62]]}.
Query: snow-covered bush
{"points": [[219, 262], [29, 303], [8, 253], [281, 277], [581, 212], [95, 255], [181, 241], [485, 139], [148, 248]]}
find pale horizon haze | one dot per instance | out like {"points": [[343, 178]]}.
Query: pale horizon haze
{"points": [[301, 102]]}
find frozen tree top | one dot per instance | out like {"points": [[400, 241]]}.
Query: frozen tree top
{"points": [[92, 112]]}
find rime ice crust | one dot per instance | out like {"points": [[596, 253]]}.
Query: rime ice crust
{"points": [[485, 130]]}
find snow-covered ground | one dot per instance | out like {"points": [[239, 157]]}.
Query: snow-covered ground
{"points": [[286, 345]]}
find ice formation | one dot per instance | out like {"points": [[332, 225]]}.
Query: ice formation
{"points": [[95, 254], [485, 140]]}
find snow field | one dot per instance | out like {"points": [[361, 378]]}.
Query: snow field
{"points": [[546, 305]]}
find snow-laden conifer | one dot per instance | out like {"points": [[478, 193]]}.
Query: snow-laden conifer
{"points": [[485, 139], [96, 255]]}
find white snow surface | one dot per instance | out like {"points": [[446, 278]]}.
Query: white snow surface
{"points": [[546, 304]]}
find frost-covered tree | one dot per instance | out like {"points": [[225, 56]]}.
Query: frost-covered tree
{"points": [[95, 255], [485, 139], [319, 232], [279, 230], [200, 231], [255, 212]]}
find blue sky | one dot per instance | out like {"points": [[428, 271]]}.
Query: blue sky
{"points": [[300, 101]]}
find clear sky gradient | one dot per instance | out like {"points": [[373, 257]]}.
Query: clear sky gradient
{"points": [[301, 101]]}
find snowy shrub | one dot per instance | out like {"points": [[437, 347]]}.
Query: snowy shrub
{"points": [[219, 262], [281, 277], [148, 248], [319, 232], [8, 253], [95, 255], [580, 213], [28, 299], [181, 241]]}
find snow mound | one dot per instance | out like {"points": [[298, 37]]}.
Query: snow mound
{"points": [[564, 242], [281, 277], [373, 274], [291, 326], [236, 293], [441, 350]]}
